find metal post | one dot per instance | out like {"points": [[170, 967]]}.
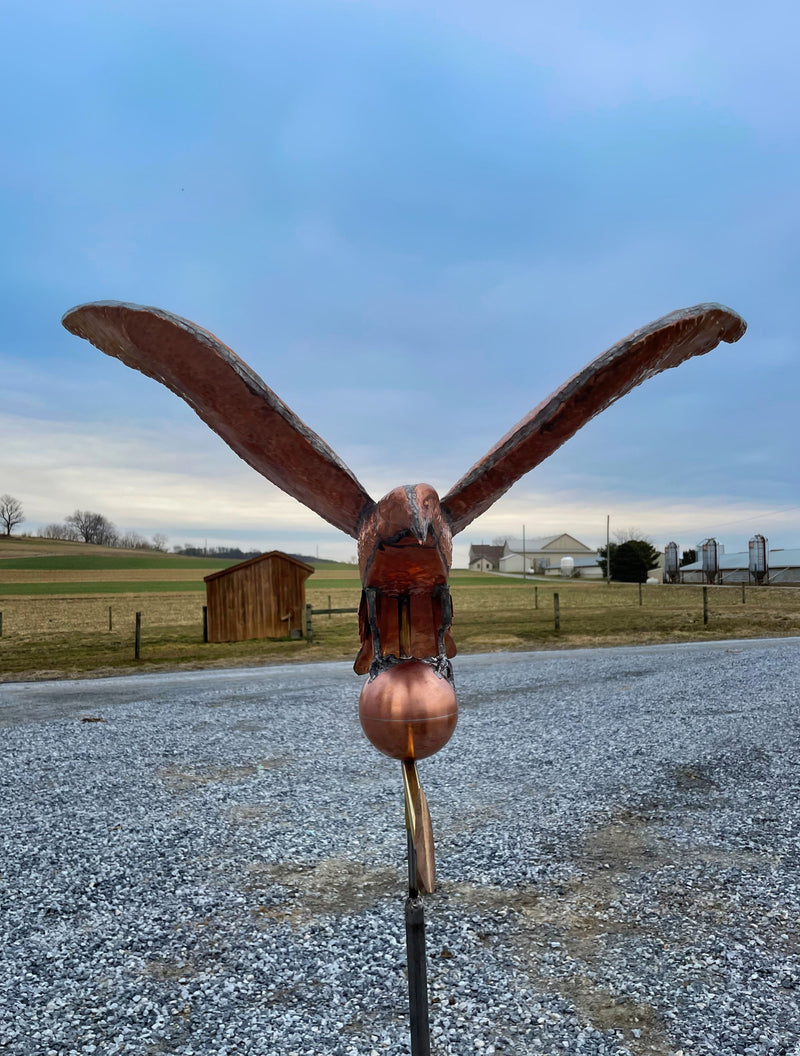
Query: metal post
{"points": [[137, 642], [705, 604], [309, 625], [556, 612], [416, 958], [417, 977], [205, 623]]}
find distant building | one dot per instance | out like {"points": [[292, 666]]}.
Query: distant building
{"points": [[542, 556], [264, 597], [784, 567], [485, 558]]}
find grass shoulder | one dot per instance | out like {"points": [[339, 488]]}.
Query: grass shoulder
{"points": [[66, 634]]}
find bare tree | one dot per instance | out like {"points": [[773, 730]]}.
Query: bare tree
{"points": [[93, 527], [160, 542], [10, 512], [58, 531], [631, 535], [132, 541]]}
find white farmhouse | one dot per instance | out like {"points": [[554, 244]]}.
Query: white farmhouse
{"points": [[542, 556]]}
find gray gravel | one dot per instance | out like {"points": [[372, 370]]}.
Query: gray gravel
{"points": [[216, 866]]}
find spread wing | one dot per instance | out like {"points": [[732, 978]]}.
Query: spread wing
{"points": [[229, 397], [665, 343]]}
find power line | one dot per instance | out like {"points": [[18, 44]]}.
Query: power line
{"points": [[758, 516]]}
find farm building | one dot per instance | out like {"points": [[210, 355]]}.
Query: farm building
{"points": [[543, 556], [783, 567], [485, 558], [264, 597]]}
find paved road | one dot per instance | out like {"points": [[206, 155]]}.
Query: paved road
{"points": [[212, 862], [44, 701]]}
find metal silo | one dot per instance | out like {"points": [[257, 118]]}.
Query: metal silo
{"points": [[671, 563], [758, 559], [709, 551]]}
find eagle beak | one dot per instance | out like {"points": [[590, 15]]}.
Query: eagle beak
{"points": [[406, 516], [422, 513], [419, 528]]}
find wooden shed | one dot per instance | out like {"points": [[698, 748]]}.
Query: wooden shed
{"points": [[264, 597]]}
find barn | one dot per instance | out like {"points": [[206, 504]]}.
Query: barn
{"points": [[543, 555], [783, 566], [264, 597]]}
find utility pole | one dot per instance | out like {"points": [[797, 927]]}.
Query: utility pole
{"points": [[608, 550], [524, 573]]}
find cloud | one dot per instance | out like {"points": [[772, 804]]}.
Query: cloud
{"points": [[662, 520], [414, 221], [192, 488]]}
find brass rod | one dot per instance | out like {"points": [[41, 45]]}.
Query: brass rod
{"points": [[404, 624]]}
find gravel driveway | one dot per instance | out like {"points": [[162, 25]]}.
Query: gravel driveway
{"points": [[214, 862]]}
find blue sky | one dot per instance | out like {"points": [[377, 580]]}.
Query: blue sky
{"points": [[414, 221]]}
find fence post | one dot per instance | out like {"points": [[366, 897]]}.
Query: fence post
{"points": [[329, 608], [640, 592], [556, 612], [1, 625], [137, 643], [536, 597], [705, 604], [309, 625], [205, 623], [742, 592]]}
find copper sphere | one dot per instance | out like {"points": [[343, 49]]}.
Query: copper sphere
{"points": [[408, 711]]}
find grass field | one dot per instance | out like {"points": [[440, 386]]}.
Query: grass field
{"points": [[57, 553], [156, 562], [55, 614], [97, 586]]}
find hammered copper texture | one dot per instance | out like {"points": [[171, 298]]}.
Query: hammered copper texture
{"points": [[408, 711]]}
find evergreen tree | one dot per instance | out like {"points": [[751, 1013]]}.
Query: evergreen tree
{"points": [[630, 561]]}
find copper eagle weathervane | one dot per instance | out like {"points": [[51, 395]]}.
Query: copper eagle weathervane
{"points": [[408, 706]]}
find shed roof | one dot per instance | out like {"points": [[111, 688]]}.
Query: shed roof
{"points": [[272, 555]]}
